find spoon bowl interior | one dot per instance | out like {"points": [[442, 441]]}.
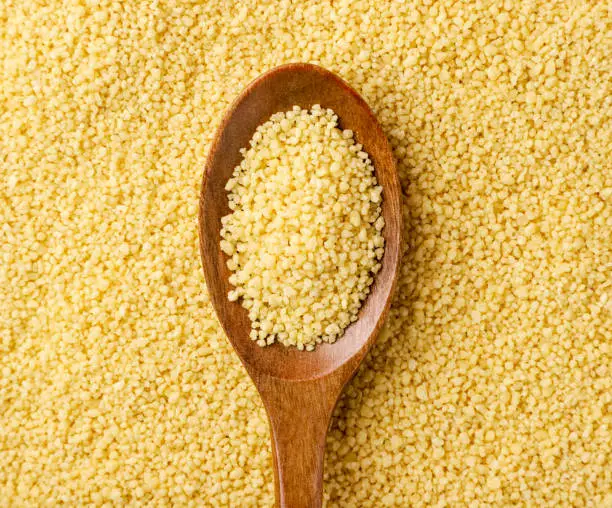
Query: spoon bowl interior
{"points": [[280, 89]]}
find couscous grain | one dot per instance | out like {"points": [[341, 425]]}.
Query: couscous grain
{"points": [[304, 235], [117, 386]]}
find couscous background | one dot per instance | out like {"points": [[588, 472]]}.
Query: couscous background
{"points": [[491, 384]]}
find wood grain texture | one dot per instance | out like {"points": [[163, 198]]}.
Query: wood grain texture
{"points": [[299, 389]]}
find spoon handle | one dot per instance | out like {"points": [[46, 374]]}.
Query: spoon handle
{"points": [[299, 413]]}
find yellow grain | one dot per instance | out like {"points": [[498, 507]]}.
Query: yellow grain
{"points": [[117, 386]]}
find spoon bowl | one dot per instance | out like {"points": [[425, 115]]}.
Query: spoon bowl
{"points": [[299, 389]]}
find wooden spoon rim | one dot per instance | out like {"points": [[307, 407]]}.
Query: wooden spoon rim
{"points": [[304, 369]]}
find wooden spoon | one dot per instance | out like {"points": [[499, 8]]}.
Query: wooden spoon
{"points": [[299, 389]]}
